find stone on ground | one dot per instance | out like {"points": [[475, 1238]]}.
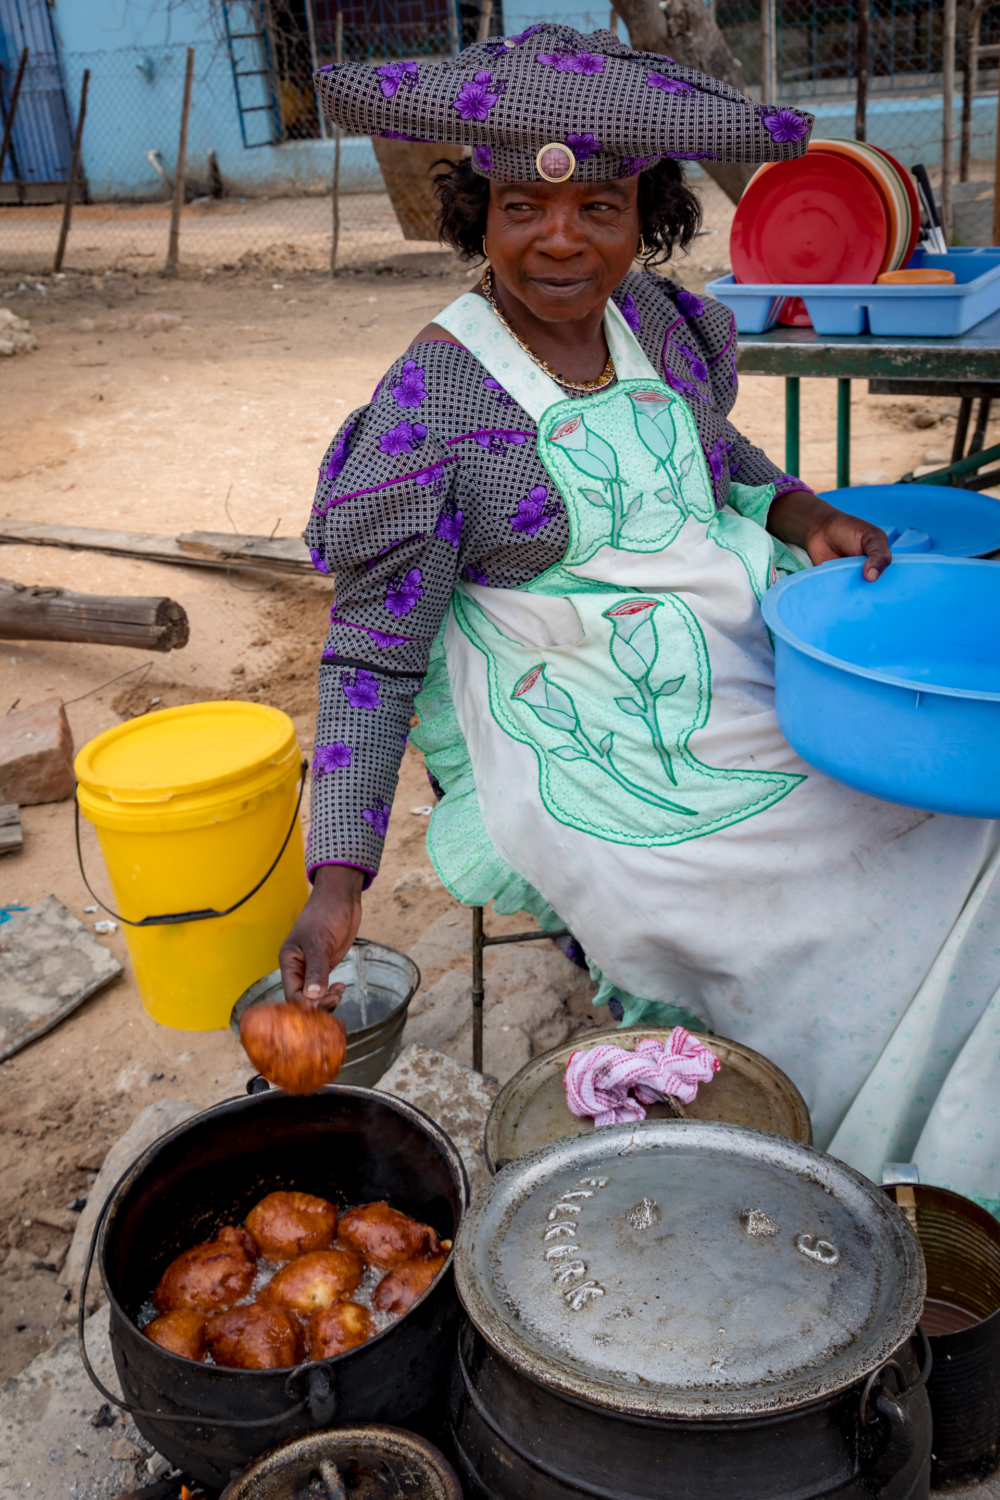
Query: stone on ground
{"points": [[152, 1122], [49, 964], [455, 1097], [36, 755]]}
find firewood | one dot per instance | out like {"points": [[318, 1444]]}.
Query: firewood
{"points": [[41, 613]]}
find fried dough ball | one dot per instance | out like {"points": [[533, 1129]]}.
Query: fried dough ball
{"points": [[284, 1225], [399, 1290], [254, 1338], [297, 1047], [344, 1325], [315, 1281], [384, 1237], [210, 1276], [180, 1331]]}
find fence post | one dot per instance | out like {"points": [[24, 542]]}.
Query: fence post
{"points": [[864, 51], [948, 133], [8, 129], [486, 15], [74, 167], [338, 55], [996, 177], [769, 52], [173, 248]]}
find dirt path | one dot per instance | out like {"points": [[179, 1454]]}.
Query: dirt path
{"points": [[216, 422]]}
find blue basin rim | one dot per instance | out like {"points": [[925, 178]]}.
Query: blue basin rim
{"points": [[771, 609]]}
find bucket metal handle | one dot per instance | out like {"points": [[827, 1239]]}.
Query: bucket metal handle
{"points": [[171, 918], [320, 1397]]}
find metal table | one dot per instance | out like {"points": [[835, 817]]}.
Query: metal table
{"points": [[967, 366]]}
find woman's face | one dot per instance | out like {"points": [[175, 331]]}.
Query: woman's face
{"points": [[562, 248]]}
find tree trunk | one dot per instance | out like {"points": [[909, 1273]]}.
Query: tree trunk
{"points": [[51, 614], [686, 31]]}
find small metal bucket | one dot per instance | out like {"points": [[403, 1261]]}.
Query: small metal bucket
{"points": [[369, 1463], [375, 1030], [530, 1110], [961, 1317]]}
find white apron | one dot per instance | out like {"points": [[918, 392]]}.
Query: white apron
{"points": [[618, 718]]}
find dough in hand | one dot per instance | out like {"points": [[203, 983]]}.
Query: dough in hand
{"points": [[299, 1048]]}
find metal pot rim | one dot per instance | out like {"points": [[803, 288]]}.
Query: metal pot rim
{"points": [[251, 1101], [509, 1333], [268, 983]]}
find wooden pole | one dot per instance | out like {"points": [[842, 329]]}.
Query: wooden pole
{"points": [[74, 167], [314, 61], [996, 175], [864, 51], [12, 111], [769, 52], [338, 55], [173, 248], [454, 28], [486, 16], [948, 133]]}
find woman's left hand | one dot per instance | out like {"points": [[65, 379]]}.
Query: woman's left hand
{"points": [[806, 521]]}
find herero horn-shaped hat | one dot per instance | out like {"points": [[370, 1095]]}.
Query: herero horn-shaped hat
{"points": [[557, 104]]}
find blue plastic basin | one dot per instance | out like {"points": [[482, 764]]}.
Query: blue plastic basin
{"points": [[937, 518], [894, 687]]}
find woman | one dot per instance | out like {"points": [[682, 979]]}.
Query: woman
{"points": [[544, 520]]}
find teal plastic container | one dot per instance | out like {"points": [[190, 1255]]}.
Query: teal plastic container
{"points": [[893, 687]]}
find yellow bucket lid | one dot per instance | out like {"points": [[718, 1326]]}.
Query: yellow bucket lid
{"points": [[201, 756]]}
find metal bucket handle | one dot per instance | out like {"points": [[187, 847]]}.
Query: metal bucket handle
{"points": [[320, 1397], [171, 918]]}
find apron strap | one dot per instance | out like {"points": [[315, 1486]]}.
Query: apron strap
{"points": [[473, 322]]}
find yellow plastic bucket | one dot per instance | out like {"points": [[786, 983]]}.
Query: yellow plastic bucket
{"points": [[191, 806]]}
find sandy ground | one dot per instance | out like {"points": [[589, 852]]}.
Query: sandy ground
{"points": [[218, 423]]}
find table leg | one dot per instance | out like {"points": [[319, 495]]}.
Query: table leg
{"points": [[792, 424], [843, 434], [477, 988]]}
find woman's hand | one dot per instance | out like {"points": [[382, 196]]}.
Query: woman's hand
{"points": [[322, 935], [802, 518]]}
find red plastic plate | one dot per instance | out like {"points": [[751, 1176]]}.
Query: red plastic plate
{"points": [[911, 194], [817, 219]]}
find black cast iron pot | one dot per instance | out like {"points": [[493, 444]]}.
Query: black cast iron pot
{"points": [[350, 1145], [515, 1439]]}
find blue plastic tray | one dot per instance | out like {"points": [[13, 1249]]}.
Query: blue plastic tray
{"points": [[910, 311], [934, 518], [894, 687]]}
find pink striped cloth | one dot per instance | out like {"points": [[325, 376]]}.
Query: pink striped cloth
{"points": [[599, 1079]]}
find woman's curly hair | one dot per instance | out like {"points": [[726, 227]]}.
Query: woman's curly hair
{"points": [[669, 213]]}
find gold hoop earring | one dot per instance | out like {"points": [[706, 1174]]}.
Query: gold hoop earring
{"points": [[486, 253], [641, 252]]}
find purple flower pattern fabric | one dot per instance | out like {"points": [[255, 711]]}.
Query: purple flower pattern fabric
{"points": [[412, 389], [584, 146], [588, 63], [378, 818], [669, 85], [533, 513], [391, 75], [477, 97], [363, 691], [483, 158], [318, 560], [404, 593], [785, 124], [403, 438], [330, 758], [399, 529]]}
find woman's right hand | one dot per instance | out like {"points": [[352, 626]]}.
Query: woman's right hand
{"points": [[323, 933]]}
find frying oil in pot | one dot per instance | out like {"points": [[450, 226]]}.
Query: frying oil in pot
{"points": [[945, 1317]]}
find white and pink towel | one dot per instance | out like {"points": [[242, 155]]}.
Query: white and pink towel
{"points": [[599, 1080]]}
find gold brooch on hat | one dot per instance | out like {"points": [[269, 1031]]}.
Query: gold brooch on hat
{"points": [[555, 162]]}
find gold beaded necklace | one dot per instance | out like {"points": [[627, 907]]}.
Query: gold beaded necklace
{"points": [[588, 387]]}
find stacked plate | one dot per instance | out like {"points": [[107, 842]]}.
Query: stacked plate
{"points": [[843, 213]]}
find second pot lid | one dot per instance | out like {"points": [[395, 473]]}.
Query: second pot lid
{"points": [[936, 518], [688, 1269]]}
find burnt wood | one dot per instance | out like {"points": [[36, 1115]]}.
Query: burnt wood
{"points": [[10, 828], [40, 613]]}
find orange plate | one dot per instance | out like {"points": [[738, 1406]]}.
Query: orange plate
{"points": [[917, 277]]}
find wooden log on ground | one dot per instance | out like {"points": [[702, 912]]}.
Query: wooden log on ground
{"points": [[41, 613], [10, 828], [200, 549]]}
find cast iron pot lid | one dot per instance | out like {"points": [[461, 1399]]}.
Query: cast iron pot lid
{"points": [[688, 1269]]}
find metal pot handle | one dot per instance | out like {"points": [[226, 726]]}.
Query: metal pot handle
{"points": [[901, 1441], [319, 1396]]}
